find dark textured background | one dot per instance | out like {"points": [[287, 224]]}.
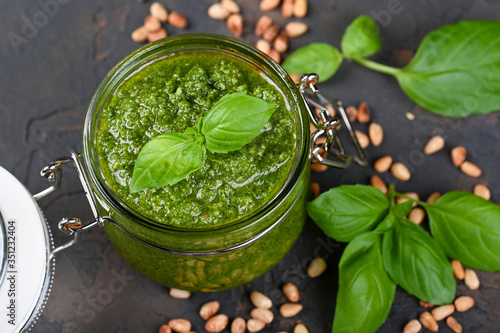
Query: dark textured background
{"points": [[45, 87]]}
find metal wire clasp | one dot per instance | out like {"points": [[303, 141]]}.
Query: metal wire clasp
{"points": [[326, 139]]}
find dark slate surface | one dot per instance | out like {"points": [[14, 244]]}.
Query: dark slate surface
{"points": [[47, 80]]}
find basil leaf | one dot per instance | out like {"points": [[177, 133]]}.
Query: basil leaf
{"points": [[167, 159], [234, 121], [399, 210], [414, 261], [320, 58], [361, 38], [467, 228], [455, 70], [366, 292], [347, 211]]}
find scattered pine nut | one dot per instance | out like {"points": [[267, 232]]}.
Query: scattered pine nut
{"points": [[429, 322], [315, 189], [255, 325], [433, 198], [410, 116], [231, 6], [157, 35], [295, 29], [275, 55], [295, 78], [300, 328], [139, 35], [300, 8], [400, 171], [177, 20], [287, 8], [263, 45], [454, 325], [271, 32], [180, 325], [218, 12], [239, 325], [376, 133], [151, 24], [382, 164], [412, 195], [471, 280], [217, 323], [443, 311], [263, 314], [291, 292], [158, 12], [235, 24], [464, 303], [413, 326], [417, 215], [352, 113], [363, 139], [426, 304], [260, 300], [363, 113], [434, 145], [458, 155], [179, 294], [208, 310], [165, 329], [483, 191], [470, 169], [262, 25], [318, 167], [281, 43], [316, 267], [458, 269], [267, 5], [288, 310], [376, 182]]}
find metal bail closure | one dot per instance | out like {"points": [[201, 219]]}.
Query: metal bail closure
{"points": [[326, 139]]}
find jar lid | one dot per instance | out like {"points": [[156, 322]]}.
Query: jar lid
{"points": [[26, 271]]}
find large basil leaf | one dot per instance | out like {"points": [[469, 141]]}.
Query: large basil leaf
{"points": [[361, 38], [414, 261], [167, 159], [320, 58], [347, 211], [456, 70], [366, 292], [467, 228], [234, 121]]}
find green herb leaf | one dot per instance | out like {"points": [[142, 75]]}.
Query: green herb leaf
{"points": [[320, 58], [347, 211], [414, 261], [467, 228], [167, 159], [399, 210], [455, 70], [366, 292], [361, 38], [234, 121]]}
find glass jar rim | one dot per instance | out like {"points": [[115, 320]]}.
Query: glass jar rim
{"points": [[169, 46]]}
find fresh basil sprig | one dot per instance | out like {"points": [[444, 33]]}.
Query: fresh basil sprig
{"points": [[229, 125], [464, 227], [453, 72]]}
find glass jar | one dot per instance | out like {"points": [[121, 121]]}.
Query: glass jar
{"points": [[219, 257]]}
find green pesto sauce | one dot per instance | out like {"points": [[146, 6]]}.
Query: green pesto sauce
{"points": [[169, 95]]}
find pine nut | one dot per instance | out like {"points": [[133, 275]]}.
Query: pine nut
{"points": [[417, 215], [267, 5], [157, 35], [218, 12], [433, 198], [426, 305], [295, 78], [464, 303], [458, 155], [429, 322], [165, 329], [295, 29], [235, 24], [231, 6], [208, 310], [483, 191], [363, 139], [263, 45], [151, 24], [352, 113], [410, 116], [260, 300], [434, 145], [318, 167], [454, 325], [458, 269], [471, 280], [315, 189], [376, 133], [300, 329], [413, 326], [216, 323], [158, 12], [255, 325], [443, 311], [363, 113], [470, 169], [376, 182], [288, 310], [291, 291], [179, 294], [262, 25], [287, 8], [382, 164], [400, 171], [316, 267], [177, 20], [263, 314], [139, 35], [281, 43], [275, 55], [271, 32], [412, 195], [239, 325], [180, 325], [300, 8]]}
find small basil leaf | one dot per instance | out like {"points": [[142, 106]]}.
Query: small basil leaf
{"points": [[467, 228], [414, 261], [366, 292], [361, 38], [347, 211], [455, 70], [320, 58], [167, 159], [386, 225], [403, 209], [234, 121]]}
